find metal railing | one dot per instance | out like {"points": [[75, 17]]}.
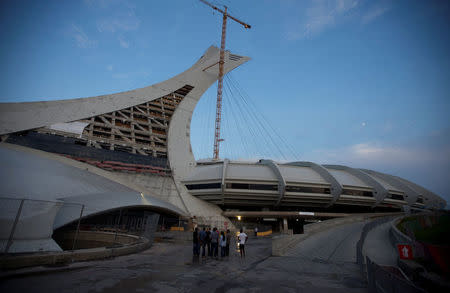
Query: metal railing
{"points": [[30, 219], [25, 220], [379, 278]]}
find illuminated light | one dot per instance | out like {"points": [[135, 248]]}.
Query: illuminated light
{"points": [[239, 218]]}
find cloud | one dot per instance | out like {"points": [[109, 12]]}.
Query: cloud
{"points": [[317, 16], [320, 15], [373, 154], [103, 4], [109, 67], [374, 13], [121, 16], [120, 23], [120, 20], [425, 162], [81, 38], [123, 43]]}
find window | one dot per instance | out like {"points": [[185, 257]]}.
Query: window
{"points": [[357, 192], [203, 186], [252, 186], [308, 189], [396, 196]]}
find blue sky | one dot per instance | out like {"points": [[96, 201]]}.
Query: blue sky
{"points": [[361, 83]]}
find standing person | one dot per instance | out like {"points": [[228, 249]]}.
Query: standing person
{"points": [[227, 247], [256, 231], [202, 238], [214, 241], [242, 240], [195, 242], [223, 244], [208, 241]]}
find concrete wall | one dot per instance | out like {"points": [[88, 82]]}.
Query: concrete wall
{"points": [[94, 239], [24, 116], [20, 261]]}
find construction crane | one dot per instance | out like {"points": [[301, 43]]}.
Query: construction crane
{"points": [[217, 138]]}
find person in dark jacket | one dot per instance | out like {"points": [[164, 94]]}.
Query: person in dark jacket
{"points": [[202, 240], [208, 241], [195, 242], [227, 247], [215, 242]]}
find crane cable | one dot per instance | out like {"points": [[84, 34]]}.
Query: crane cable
{"points": [[260, 121]]}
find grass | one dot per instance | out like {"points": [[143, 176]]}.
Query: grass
{"points": [[432, 229]]}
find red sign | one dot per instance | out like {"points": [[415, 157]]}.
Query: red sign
{"points": [[405, 251]]}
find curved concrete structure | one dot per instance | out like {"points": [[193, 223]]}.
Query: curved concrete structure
{"points": [[379, 191], [336, 187], [54, 195], [150, 124], [23, 116], [304, 184], [281, 182], [133, 149]]}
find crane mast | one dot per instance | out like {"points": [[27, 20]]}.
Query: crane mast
{"points": [[225, 14]]}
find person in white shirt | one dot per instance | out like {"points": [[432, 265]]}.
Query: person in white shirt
{"points": [[242, 240]]}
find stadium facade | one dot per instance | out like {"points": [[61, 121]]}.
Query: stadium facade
{"points": [[132, 149]]}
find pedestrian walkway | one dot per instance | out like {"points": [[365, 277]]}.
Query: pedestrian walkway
{"points": [[378, 247], [337, 244], [170, 267], [323, 262]]}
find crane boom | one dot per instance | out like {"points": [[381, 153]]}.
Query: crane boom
{"points": [[223, 12], [217, 138]]}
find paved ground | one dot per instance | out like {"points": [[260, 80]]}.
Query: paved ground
{"points": [[325, 262], [378, 246]]}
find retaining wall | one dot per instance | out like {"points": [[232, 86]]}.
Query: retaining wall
{"points": [[56, 258]]}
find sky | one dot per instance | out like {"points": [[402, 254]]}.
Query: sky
{"points": [[363, 83]]}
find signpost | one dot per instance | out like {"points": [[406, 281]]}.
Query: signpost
{"points": [[405, 251]]}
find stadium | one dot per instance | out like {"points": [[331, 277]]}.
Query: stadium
{"points": [[98, 158]]}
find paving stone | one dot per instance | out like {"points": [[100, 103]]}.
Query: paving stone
{"points": [[319, 264]]}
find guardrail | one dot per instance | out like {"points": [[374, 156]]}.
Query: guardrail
{"points": [[28, 225], [24, 220], [379, 278]]}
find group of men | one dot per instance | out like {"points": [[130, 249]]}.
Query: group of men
{"points": [[211, 240]]}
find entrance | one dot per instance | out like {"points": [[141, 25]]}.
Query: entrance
{"points": [[296, 225]]}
